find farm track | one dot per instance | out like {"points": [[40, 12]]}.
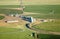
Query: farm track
{"points": [[40, 31], [29, 13], [25, 13], [35, 30], [9, 32], [12, 32], [45, 32]]}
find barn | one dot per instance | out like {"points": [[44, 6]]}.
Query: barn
{"points": [[28, 18], [11, 21]]}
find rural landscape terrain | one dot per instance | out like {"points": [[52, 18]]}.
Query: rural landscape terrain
{"points": [[44, 22]]}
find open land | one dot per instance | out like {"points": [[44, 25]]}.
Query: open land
{"points": [[36, 9]]}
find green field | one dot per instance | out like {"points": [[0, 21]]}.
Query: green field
{"points": [[36, 8], [48, 36], [13, 33], [9, 11], [9, 6], [44, 11], [49, 26], [42, 8]]}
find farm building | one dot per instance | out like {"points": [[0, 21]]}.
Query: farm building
{"points": [[46, 20], [11, 21], [28, 18], [13, 15], [43, 20]]}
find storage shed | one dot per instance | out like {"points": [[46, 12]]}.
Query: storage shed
{"points": [[11, 21]]}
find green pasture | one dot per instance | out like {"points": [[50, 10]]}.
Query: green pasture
{"points": [[36, 8], [5, 9], [10, 11], [13, 33], [9, 6], [45, 16], [49, 26], [48, 36], [44, 13], [43, 10]]}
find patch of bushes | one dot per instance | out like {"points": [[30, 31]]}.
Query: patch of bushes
{"points": [[1, 17]]}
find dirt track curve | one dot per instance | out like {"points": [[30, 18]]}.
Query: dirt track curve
{"points": [[44, 31]]}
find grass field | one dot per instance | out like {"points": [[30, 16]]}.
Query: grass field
{"points": [[47, 36], [35, 8], [44, 10], [9, 6], [9, 11], [13, 33], [49, 26]]}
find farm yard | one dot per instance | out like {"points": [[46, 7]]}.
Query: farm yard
{"points": [[36, 9]]}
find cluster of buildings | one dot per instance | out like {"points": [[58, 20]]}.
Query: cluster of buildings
{"points": [[46, 20], [26, 18]]}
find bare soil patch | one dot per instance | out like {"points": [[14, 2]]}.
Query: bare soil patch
{"points": [[20, 24]]}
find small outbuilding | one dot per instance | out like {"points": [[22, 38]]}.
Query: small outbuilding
{"points": [[13, 15], [11, 21], [43, 20]]}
